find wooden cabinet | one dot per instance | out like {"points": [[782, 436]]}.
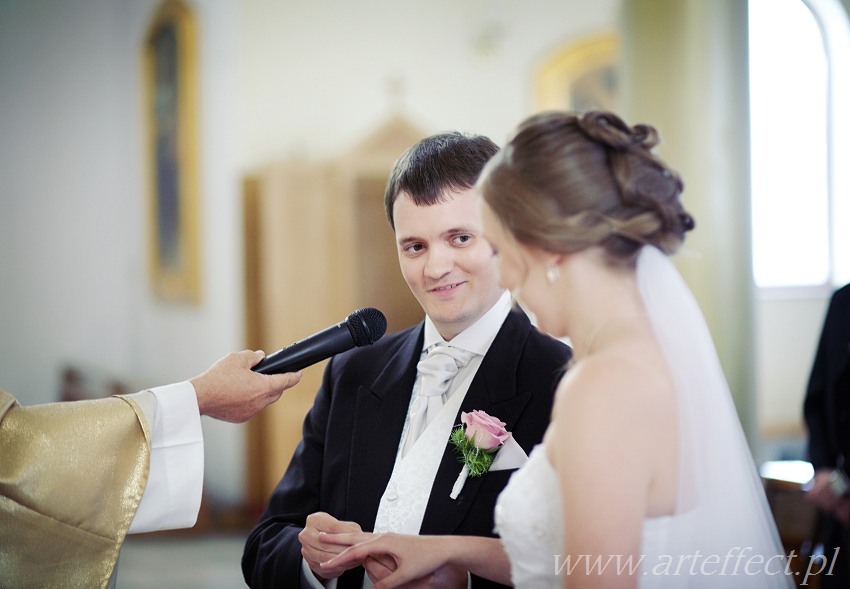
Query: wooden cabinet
{"points": [[317, 247]]}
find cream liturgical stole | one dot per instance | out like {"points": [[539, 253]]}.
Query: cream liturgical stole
{"points": [[404, 501], [71, 478]]}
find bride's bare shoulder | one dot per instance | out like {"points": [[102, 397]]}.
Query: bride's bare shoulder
{"points": [[632, 383]]}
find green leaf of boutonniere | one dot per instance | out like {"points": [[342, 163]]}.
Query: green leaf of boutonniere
{"points": [[476, 460]]}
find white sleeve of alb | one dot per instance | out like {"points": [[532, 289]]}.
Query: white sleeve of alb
{"points": [[172, 497]]}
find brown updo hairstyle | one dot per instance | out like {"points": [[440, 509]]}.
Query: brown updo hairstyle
{"points": [[566, 182]]}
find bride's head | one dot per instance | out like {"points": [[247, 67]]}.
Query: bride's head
{"points": [[566, 182]]}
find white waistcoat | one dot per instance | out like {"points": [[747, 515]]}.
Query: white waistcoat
{"points": [[404, 500]]}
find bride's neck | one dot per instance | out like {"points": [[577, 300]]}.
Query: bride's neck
{"points": [[609, 331], [600, 305]]}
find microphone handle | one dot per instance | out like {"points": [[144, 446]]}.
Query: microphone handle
{"points": [[308, 351]]}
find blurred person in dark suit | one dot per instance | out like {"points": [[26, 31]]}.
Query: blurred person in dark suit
{"points": [[827, 413]]}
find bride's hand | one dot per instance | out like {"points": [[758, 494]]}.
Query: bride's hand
{"points": [[446, 577], [397, 560]]}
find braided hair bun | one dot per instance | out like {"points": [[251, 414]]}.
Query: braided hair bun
{"points": [[566, 182]]}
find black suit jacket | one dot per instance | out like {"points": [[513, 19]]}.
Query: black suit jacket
{"points": [[352, 433], [827, 404], [827, 412]]}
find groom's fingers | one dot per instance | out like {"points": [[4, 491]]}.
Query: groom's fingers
{"points": [[315, 558], [325, 522], [378, 567], [314, 549], [353, 554], [398, 579], [345, 538]]}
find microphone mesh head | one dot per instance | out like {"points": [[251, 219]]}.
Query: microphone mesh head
{"points": [[367, 326]]}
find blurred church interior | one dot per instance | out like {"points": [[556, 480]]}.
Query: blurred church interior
{"points": [[291, 112]]}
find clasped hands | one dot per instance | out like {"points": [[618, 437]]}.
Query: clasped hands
{"points": [[330, 547]]}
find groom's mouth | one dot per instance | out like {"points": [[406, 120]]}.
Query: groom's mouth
{"points": [[446, 289]]}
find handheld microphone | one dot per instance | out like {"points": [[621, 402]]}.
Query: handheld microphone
{"points": [[361, 328]]}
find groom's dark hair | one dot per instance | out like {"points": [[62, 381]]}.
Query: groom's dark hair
{"points": [[447, 161]]}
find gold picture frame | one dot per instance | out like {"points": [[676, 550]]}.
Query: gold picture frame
{"points": [[580, 76], [170, 108]]}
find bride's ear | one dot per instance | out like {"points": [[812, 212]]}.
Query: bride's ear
{"points": [[552, 259]]}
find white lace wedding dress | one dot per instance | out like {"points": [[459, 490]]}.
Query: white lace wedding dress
{"points": [[529, 519], [722, 534]]}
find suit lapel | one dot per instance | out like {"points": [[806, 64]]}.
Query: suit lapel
{"points": [[492, 390], [380, 413]]}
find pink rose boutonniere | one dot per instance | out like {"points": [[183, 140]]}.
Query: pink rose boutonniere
{"points": [[477, 441]]}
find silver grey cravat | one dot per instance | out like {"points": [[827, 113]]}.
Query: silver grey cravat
{"points": [[436, 371]]}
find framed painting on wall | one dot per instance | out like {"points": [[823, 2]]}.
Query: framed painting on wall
{"points": [[170, 107], [580, 76]]}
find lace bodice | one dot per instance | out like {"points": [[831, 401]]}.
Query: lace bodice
{"points": [[529, 519]]}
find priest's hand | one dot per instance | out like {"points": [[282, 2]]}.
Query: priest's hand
{"points": [[230, 391]]}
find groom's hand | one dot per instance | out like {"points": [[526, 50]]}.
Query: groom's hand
{"points": [[315, 551], [378, 566], [449, 577]]}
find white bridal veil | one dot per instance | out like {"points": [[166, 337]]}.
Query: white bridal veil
{"points": [[723, 523]]}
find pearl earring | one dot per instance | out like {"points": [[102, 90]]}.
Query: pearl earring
{"points": [[552, 274]]}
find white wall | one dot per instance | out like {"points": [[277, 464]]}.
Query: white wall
{"points": [[316, 71], [72, 210], [67, 229], [787, 332]]}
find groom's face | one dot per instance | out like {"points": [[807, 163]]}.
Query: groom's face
{"points": [[445, 260]]}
